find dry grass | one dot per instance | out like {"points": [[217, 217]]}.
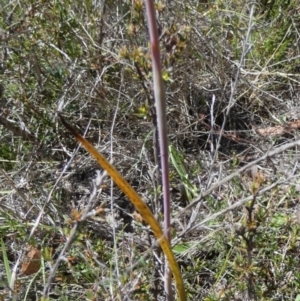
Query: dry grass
{"points": [[91, 61]]}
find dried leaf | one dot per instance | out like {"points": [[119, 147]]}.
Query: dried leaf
{"points": [[32, 262], [137, 217]]}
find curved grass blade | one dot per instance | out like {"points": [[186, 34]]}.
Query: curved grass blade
{"points": [[138, 203]]}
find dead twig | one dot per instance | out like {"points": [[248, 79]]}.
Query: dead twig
{"points": [[270, 153], [16, 130]]}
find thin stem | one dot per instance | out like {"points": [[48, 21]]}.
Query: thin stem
{"points": [[160, 102]]}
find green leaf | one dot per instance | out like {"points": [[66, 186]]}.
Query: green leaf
{"points": [[279, 220], [297, 298], [6, 263], [181, 248]]}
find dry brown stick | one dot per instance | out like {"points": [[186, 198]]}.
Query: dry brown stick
{"points": [[16, 130], [270, 153]]}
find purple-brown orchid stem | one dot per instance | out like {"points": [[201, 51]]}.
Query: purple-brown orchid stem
{"points": [[160, 103]]}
